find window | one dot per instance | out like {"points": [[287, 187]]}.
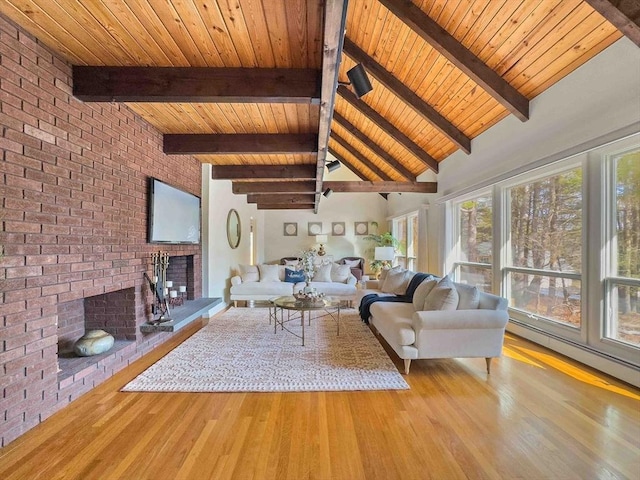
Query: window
{"points": [[563, 247], [474, 252], [545, 237], [405, 229], [623, 283]]}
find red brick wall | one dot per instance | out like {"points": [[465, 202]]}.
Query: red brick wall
{"points": [[74, 206]]}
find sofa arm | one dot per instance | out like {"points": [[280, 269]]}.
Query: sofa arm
{"points": [[351, 280], [459, 319], [372, 284], [236, 280]]}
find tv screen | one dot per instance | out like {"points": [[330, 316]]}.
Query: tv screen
{"points": [[174, 215]]}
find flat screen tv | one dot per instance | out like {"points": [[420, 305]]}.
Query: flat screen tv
{"points": [[174, 215]]}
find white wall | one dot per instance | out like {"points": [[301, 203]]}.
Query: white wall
{"points": [[220, 261], [338, 207], [598, 99]]}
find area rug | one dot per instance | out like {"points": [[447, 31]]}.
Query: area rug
{"points": [[239, 352]]}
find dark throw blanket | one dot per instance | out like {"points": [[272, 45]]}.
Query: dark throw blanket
{"points": [[370, 299]]}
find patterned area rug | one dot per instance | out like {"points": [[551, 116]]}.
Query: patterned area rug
{"points": [[238, 352]]}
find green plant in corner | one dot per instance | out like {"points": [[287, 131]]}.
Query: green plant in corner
{"points": [[385, 239]]}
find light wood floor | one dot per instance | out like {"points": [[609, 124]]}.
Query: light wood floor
{"points": [[537, 416]]}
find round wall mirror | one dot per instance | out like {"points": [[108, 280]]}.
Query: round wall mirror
{"points": [[233, 228]]}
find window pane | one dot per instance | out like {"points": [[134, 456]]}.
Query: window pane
{"points": [[546, 223], [400, 232], [477, 276], [625, 314], [475, 224], [628, 215], [553, 298]]}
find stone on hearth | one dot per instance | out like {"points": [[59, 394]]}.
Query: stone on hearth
{"points": [[92, 343]]}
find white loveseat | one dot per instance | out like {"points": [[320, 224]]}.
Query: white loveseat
{"points": [[255, 284], [468, 323]]}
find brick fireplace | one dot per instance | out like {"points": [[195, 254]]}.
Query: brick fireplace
{"points": [[74, 217]]}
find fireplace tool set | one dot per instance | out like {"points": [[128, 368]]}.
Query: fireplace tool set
{"points": [[160, 307]]}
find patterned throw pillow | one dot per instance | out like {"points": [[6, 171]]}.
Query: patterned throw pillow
{"points": [[323, 273], [293, 276]]}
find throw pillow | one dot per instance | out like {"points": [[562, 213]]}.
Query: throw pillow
{"points": [[395, 282], [293, 276], [249, 273], [268, 273], [443, 296], [340, 273], [351, 263], [469, 297], [323, 273], [420, 295], [291, 263]]}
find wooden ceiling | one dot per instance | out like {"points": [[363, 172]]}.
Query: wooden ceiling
{"points": [[258, 88]]}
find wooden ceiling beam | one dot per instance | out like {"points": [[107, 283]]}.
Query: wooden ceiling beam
{"points": [[334, 24], [243, 188], [353, 168], [388, 127], [382, 187], [348, 164], [392, 162], [277, 206], [240, 143], [622, 14], [281, 199], [246, 172], [360, 157], [196, 84], [408, 96], [460, 56]]}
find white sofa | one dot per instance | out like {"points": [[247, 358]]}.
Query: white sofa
{"points": [[472, 326], [247, 287]]}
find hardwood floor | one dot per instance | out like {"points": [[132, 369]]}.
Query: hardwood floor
{"points": [[538, 415]]}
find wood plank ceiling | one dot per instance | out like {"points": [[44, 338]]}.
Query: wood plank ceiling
{"points": [[258, 88]]}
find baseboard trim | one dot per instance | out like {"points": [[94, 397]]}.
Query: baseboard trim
{"points": [[612, 366]]}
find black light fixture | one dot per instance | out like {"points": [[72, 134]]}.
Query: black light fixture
{"points": [[359, 80], [327, 192], [333, 166]]}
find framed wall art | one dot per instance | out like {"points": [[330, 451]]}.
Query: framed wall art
{"points": [[314, 228], [361, 228], [290, 229], [337, 229]]}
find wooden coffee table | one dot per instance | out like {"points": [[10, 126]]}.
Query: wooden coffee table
{"points": [[329, 305]]}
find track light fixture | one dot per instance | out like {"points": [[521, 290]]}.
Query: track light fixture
{"points": [[327, 192], [359, 80], [333, 166]]}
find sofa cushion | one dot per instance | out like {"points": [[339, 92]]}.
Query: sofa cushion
{"points": [[293, 276], [334, 288], [340, 273], [269, 273], [275, 289], [442, 296], [395, 281], [394, 322], [351, 263], [323, 273], [420, 295], [469, 297], [249, 273]]}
